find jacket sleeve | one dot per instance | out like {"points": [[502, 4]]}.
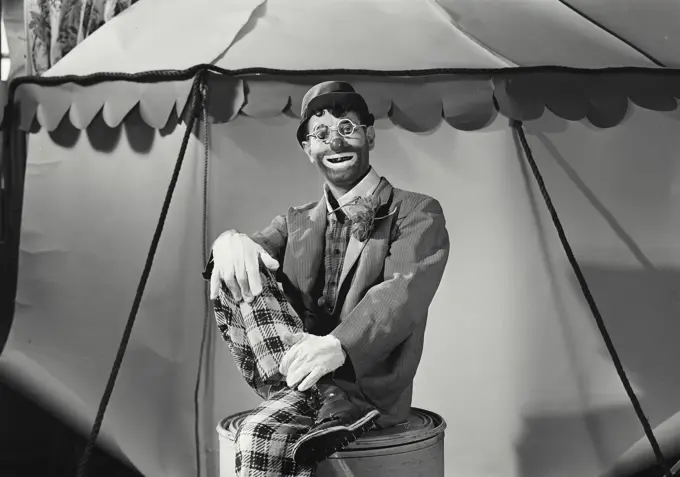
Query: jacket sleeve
{"points": [[389, 312], [273, 239]]}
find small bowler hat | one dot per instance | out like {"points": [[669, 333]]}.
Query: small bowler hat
{"points": [[325, 95]]}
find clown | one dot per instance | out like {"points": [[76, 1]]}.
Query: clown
{"points": [[325, 309]]}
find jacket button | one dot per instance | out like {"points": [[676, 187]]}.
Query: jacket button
{"points": [[321, 301]]}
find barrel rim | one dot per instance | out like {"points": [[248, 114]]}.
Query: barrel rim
{"points": [[380, 442], [409, 447]]}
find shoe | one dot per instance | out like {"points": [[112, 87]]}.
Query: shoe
{"points": [[338, 424]]}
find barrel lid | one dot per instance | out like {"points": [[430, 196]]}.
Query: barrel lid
{"points": [[419, 426]]}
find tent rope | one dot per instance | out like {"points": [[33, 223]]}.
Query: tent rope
{"points": [[661, 460], [206, 284], [195, 105], [155, 76]]}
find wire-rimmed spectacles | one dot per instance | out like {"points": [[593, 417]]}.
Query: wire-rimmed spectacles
{"points": [[345, 128]]}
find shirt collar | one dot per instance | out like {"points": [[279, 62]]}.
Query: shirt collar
{"points": [[364, 188]]}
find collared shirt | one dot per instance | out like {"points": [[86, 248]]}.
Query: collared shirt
{"points": [[338, 231], [364, 188]]}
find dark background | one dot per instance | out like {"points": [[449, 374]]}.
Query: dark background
{"points": [[35, 444]]}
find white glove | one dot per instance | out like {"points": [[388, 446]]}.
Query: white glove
{"points": [[310, 358], [236, 262]]}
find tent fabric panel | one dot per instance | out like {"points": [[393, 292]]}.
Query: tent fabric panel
{"points": [[383, 35], [425, 33], [265, 33], [179, 35], [653, 26], [540, 32]]}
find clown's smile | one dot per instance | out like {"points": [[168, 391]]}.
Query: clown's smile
{"points": [[340, 161]]}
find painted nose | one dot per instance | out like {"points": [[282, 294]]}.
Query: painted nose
{"points": [[336, 144]]}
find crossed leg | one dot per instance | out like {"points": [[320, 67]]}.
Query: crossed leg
{"points": [[291, 430], [265, 441]]}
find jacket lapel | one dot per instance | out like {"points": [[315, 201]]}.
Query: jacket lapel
{"points": [[307, 230], [355, 247]]}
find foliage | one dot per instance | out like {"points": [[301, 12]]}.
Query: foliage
{"points": [[75, 20]]}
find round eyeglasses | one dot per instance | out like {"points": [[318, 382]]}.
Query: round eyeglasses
{"points": [[345, 128]]}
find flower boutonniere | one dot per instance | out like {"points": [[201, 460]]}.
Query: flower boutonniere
{"points": [[362, 213]]}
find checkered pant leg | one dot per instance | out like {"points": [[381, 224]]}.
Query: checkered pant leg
{"points": [[265, 440], [254, 330]]}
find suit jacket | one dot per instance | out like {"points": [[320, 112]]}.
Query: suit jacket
{"points": [[386, 286]]}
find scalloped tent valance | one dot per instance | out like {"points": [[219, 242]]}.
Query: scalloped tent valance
{"points": [[386, 35], [417, 103]]}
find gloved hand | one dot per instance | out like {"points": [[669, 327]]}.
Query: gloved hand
{"points": [[236, 262], [310, 358]]}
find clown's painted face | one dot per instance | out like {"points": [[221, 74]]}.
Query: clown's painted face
{"points": [[340, 151]]}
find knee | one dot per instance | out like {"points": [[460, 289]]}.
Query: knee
{"points": [[252, 433]]}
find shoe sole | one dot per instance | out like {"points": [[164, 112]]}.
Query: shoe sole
{"points": [[317, 446]]}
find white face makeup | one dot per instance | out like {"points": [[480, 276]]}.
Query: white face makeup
{"points": [[343, 160]]}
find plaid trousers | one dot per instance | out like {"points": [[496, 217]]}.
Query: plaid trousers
{"points": [[253, 331]]}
